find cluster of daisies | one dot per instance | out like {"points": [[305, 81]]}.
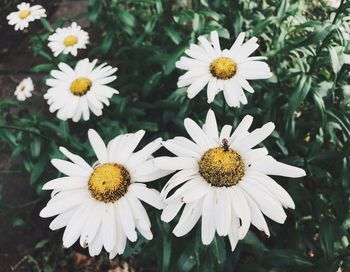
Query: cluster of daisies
{"points": [[218, 176]]}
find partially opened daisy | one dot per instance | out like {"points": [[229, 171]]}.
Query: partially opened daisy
{"points": [[25, 14], [225, 70], [101, 203], [24, 89], [224, 179], [68, 40], [74, 93]]}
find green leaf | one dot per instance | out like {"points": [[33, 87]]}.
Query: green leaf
{"points": [[41, 244], [37, 170], [35, 147], [173, 34], [327, 238], [46, 67], [301, 91], [336, 65]]}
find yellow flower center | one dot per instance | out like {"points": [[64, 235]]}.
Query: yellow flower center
{"points": [[109, 182], [22, 87], [80, 86], [221, 166], [70, 40], [223, 68], [24, 14]]}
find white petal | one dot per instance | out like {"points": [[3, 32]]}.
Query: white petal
{"points": [[61, 220], [171, 210], [76, 159], [266, 202], [66, 183], [109, 228], [125, 151], [210, 127], [254, 138], [76, 224], [150, 196], [242, 129], [144, 153], [223, 211], [63, 202], [273, 187], [175, 163], [257, 217], [208, 215], [215, 41], [92, 225], [70, 169], [127, 219], [197, 134], [98, 146], [241, 209], [270, 166], [188, 219]]}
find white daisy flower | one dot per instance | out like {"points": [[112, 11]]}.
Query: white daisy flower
{"points": [[101, 204], [224, 180], [74, 93], [25, 15], [24, 89], [225, 70], [68, 40]]}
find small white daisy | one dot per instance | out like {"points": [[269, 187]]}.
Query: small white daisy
{"points": [[224, 180], [101, 204], [74, 93], [222, 70], [68, 40], [24, 89], [25, 15]]}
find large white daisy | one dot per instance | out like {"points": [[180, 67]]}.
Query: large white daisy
{"points": [[24, 89], [74, 93], [101, 204], [224, 180], [68, 40], [225, 70], [25, 14]]}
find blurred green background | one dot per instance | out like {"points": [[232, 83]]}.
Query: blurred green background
{"points": [[307, 45]]}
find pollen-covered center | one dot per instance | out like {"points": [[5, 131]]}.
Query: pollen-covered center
{"points": [[70, 40], [221, 167], [223, 68], [80, 86], [23, 14], [109, 182], [22, 87]]}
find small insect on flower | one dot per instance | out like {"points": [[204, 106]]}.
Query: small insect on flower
{"points": [[74, 93], [24, 89], [25, 14], [101, 204], [225, 70], [68, 40], [224, 180]]}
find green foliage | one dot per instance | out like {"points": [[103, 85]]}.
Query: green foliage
{"points": [[306, 43]]}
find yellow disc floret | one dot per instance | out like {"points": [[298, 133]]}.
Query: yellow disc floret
{"points": [[109, 182], [80, 86], [223, 68], [70, 40], [23, 14], [221, 166]]}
